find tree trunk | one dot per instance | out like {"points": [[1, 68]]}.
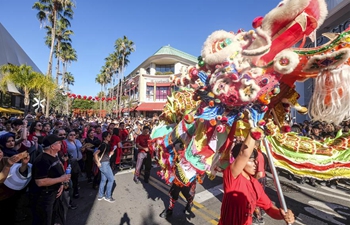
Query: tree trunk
{"points": [[117, 97], [58, 62], [122, 80], [49, 69], [101, 100]]}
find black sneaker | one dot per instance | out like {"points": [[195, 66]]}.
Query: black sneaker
{"points": [[166, 213], [188, 209]]}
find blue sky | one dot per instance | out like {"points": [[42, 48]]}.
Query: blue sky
{"points": [[182, 24]]}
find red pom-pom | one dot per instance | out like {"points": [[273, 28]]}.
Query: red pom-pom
{"points": [[286, 129], [257, 21], [256, 135]]}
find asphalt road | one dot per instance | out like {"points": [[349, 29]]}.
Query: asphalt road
{"points": [[141, 204]]}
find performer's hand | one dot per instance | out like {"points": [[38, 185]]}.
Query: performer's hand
{"points": [[288, 216]]}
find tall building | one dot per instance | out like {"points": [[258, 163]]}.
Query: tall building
{"points": [[337, 21], [148, 85], [12, 101]]}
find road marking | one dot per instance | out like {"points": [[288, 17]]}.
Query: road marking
{"points": [[303, 219], [323, 215], [327, 208], [181, 201], [209, 193], [195, 203], [326, 211], [324, 193], [124, 172], [339, 192]]}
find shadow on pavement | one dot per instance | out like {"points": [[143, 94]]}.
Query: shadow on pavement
{"points": [[85, 203]]}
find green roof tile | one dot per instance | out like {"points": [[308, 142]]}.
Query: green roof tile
{"points": [[167, 50]]}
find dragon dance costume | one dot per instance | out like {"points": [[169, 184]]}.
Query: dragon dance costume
{"points": [[255, 71]]}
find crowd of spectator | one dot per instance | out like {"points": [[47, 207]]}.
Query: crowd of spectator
{"points": [[41, 149], [38, 150], [320, 130]]}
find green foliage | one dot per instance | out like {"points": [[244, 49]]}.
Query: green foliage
{"points": [[58, 100], [82, 104]]}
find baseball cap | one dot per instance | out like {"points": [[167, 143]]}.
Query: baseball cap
{"points": [[51, 139]]}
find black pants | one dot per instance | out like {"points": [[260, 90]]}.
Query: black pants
{"points": [[175, 192], [74, 178], [8, 209], [88, 164], [43, 207]]}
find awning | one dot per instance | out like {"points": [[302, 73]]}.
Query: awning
{"points": [[4, 110], [16, 111], [12, 88], [151, 106], [159, 84]]}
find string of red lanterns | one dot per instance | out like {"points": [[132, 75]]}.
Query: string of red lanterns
{"points": [[89, 98]]}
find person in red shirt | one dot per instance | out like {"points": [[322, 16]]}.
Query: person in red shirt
{"points": [[144, 156], [242, 192], [116, 148], [123, 133], [35, 130]]}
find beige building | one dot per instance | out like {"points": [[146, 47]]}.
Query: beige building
{"points": [[337, 21], [148, 85]]}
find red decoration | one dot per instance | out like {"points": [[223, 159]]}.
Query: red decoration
{"points": [[84, 97]]}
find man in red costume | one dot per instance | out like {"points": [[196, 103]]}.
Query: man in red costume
{"points": [[242, 192]]}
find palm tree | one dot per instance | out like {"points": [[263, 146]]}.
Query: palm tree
{"points": [[51, 11], [24, 77], [123, 47], [68, 79], [102, 80], [67, 55]]}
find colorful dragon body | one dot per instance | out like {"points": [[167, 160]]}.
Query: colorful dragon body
{"points": [[251, 72], [302, 156]]}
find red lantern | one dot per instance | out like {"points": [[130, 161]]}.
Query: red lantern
{"points": [[97, 98], [89, 97], [84, 97], [114, 98], [73, 95], [103, 98], [79, 96]]}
